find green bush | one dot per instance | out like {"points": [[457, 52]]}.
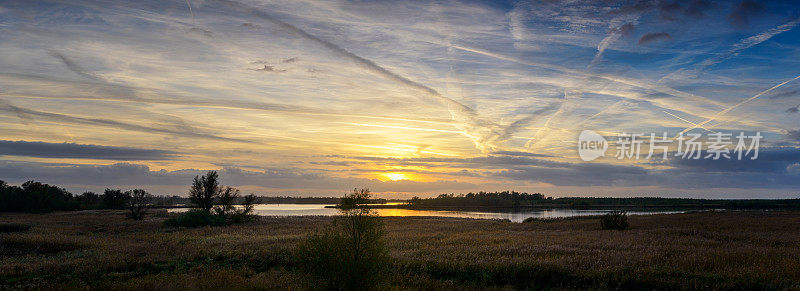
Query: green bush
{"points": [[617, 220], [195, 218], [350, 254]]}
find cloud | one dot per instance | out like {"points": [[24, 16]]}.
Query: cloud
{"points": [[473, 127], [793, 134], [125, 175], [80, 151], [784, 94], [613, 35], [5, 106], [74, 67], [268, 68], [743, 11], [735, 50], [655, 36]]}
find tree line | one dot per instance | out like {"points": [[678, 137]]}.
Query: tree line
{"points": [[37, 197], [522, 199]]}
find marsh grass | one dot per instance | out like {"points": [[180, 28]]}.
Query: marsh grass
{"points": [[13, 227], [708, 250]]}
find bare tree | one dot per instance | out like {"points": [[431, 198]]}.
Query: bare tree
{"points": [[137, 203], [205, 190], [225, 202]]}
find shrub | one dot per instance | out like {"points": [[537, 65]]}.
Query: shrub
{"points": [[138, 200], [350, 253], [195, 218], [617, 220], [245, 212]]}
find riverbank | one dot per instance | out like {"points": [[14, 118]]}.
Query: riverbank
{"points": [[704, 250]]}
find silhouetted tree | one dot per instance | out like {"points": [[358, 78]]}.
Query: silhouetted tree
{"points": [[137, 203], [225, 202], [89, 200], [205, 190], [114, 199]]}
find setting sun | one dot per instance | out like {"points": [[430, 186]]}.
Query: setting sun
{"points": [[395, 176]]}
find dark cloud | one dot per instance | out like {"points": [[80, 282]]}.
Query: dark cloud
{"points": [[519, 154], [698, 8], [75, 67], [784, 94], [126, 175], [741, 14], [651, 37], [670, 11], [268, 68], [775, 168], [793, 134], [792, 109], [676, 10], [625, 29], [203, 32], [80, 151]]}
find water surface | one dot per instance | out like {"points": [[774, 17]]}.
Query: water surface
{"points": [[515, 216]]}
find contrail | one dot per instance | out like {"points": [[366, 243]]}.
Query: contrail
{"points": [[616, 79], [472, 125], [123, 93], [5, 106], [726, 110], [190, 10], [684, 120], [737, 48]]}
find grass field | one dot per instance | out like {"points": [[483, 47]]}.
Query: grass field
{"points": [[102, 250]]}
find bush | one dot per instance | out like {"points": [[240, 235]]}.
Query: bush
{"points": [[617, 220], [138, 200], [245, 212], [195, 218], [350, 254]]}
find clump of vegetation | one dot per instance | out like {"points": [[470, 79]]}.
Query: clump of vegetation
{"points": [[481, 199], [207, 194], [616, 220], [195, 218], [13, 227], [115, 199], [138, 200], [350, 253]]}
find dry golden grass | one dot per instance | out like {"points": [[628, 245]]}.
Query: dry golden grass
{"points": [[103, 250]]}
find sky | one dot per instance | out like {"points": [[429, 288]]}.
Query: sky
{"points": [[406, 98]]}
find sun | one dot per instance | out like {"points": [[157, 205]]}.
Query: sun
{"points": [[395, 176]]}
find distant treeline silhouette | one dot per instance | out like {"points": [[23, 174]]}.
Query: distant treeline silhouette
{"points": [[37, 197], [507, 199]]}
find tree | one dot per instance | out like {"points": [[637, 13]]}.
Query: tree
{"points": [[138, 202], [205, 190], [114, 199], [225, 202], [355, 199]]}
